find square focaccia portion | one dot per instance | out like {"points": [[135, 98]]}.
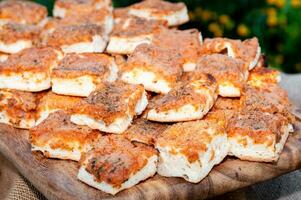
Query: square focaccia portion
{"points": [[29, 70], [248, 50], [51, 102], [129, 32], [157, 69], [111, 108], [186, 43], [17, 108], [116, 164], [261, 75], [145, 131], [191, 149], [65, 8], [16, 37], [23, 12], [84, 38], [174, 13], [258, 136], [79, 74], [57, 137], [187, 101], [230, 73]]}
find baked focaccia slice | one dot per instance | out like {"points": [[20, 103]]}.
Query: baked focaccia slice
{"points": [[83, 38], [111, 108], [249, 50], [116, 164], [23, 12], [129, 32], [186, 43], [16, 37], [174, 13], [258, 136], [191, 149], [17, 108], [230, 73], [145, 131], [262, 75], [57, 137], [65, 8], [187, 101], [157, 69], [51, 102], [79, 74], [29, 70]]}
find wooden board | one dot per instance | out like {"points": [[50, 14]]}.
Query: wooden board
{"points": [[56, 179]]}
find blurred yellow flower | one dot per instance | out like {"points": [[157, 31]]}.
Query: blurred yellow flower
{"points": [[279, 59], [243, 30], [272, 19], [191, 15], [224, 19], [206, 15], [271, 2], [296, 3], [280, 3], [215, 29]]}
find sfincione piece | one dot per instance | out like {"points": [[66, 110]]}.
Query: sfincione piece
{"points": [[191, 149], [79, 74], [57, 137], [129, 32], [157, 69], [16, 37], [23, 12], [115, 164], [230, 73], [82, 38], [29, 70], [174, 13], [17, 108], [111, 107], [187, 101]]}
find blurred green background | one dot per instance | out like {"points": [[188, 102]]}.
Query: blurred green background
{"points": [[277, 24]]}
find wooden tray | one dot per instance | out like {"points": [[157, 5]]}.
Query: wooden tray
{"points": [[56, 179]]}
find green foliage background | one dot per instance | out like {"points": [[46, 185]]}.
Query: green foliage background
{"points": [[277, 24]]}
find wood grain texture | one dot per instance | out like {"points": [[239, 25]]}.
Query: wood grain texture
{"points": [[56, 179]]}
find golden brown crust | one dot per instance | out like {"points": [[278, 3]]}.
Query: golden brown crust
{"points": [[135, 27], [53, 101], [186, 43], [59, 133], [163, 62], [13, 32], [18, 105], [262, 128], [68, 35], [110, 101], [32, 59], [223, 68], [120, 13], [189, 138], [188, 93], [75, 6], [76, 65], [145, 131], [114, 159], [262, 75], [158, 7], [26, 12]]}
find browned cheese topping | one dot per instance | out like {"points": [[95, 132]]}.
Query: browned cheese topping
{"points": [[114, 159], [13, 32], [25, 12], [158, 7], [32, 59], [76, 65], [145, 131], [68, 35], [163, 62], [189, 138], [187, 93], [110, 101]]}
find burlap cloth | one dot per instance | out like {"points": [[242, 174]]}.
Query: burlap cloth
{"points": [[14, 186]]}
